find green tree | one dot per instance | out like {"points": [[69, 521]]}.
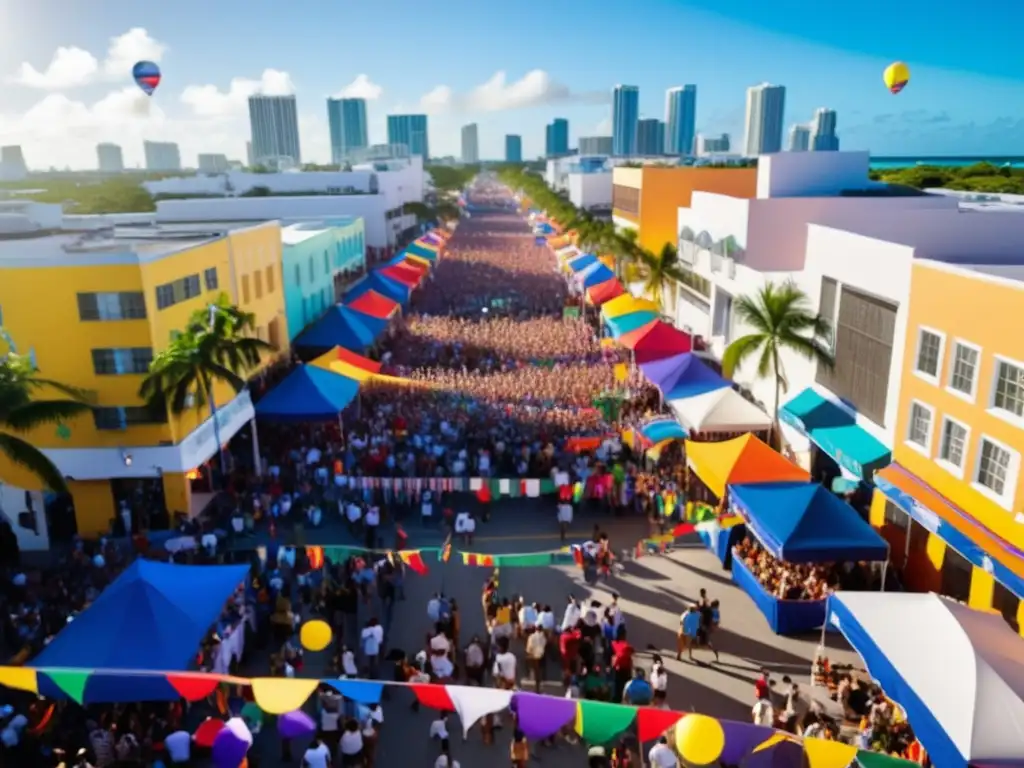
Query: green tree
{"points": [[780, 318], [659, 271], [449, 178], [22, 410]]}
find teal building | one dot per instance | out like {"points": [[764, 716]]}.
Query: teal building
{"points": [[316, 257]]}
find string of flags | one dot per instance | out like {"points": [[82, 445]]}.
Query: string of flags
{"points": [[415, 486]]}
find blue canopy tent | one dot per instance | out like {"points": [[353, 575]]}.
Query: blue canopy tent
{"points": [[385, 286], [682, 376], [421, 252], [596, 274], [582, 262], [308, 393], [630, 322], [342, 327], [800, 523], [153, 617]]}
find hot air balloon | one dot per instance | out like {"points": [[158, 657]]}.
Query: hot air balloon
{"points": [[147, 76], [896, 76]]}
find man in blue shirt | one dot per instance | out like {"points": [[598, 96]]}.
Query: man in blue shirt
{"points": [[689, 628], [637, 691]]}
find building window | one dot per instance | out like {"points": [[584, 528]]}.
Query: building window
{"points": [[1009, 394], [994, 467], [127, 305], [210, 279], [626, 200], [1008, 604], [327, 263], [270, 279], [896, 516], [919, 431], [119, 418], [257, 278], [953, 445], [245, 289], [182, 289], [929, 354], [119, 362], [864, 331], [721, 325], [695, 282], [312, 275], [298, 275], [964, 373]]}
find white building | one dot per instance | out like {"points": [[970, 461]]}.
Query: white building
{"points": [[109, 158], [799, 138], [274, 123], [470, 143], [212, 163], [848, 243], [595, 145], [162, 156], [12, 163], [766, 109], [823, 131], [591, 190]]}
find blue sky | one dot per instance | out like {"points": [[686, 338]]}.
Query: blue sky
{"points": [[966, 94]]}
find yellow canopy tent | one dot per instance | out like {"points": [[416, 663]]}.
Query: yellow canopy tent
{"points": [[626, 305], [744, 459]]}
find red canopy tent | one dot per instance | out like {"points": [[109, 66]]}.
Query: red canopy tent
{"points": [[402, 274], [352, 358], [655, 341], [606, 291], [420, 267], [374, 304]]}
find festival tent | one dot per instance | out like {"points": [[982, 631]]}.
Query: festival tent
{"points": [[342, 326], [403, 274], [625, 323], [374, 304], [154, 616], [609, 289], [958, 673], [382, 285], [661, 429], [720, 410], [627, 305], [743, 460], [349, 358], [682, 376], [567, 252], [655, 341], [421, 251], [308, 393], [580, 263], [806, 523], [594, 275], [407, 261]]}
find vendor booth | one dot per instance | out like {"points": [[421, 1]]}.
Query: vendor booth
{"points": [[682, 376], [655, 341], [308, 393], [958, 673], [384, 286], [799, 523], [342, 326], [720, 410]]}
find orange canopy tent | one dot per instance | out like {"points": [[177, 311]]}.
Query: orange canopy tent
{"points": [[742, 460], [343, 355], [374, 304], [405, 275], [411, 262], [655, 341], [609, 289]]}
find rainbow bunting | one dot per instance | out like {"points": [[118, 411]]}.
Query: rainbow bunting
{"points": [[470, 558]]}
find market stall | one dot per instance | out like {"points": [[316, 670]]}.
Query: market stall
{"points": [[799, 522]]}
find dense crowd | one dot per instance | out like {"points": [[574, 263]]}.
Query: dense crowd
{"points": [[799, 581]]}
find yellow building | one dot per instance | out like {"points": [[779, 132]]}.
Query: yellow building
{"points": [[952, 503], [92, 310], [648, 198]]}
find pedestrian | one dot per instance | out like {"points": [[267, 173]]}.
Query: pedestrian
{"points": [[372, 639], [536, 647]]}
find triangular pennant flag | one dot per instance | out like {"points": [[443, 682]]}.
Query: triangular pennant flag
{"points": [[193, 687], [279, 695], [433, 696], [19, 679], [414, 560], [600, 721], [71, 681], [822, 753], [473, 703], [652, 722], [359, 691]]}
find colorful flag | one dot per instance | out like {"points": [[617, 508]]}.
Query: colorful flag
{"points": [[469, 558], [414, 560], [315, 556], [446, 553]]}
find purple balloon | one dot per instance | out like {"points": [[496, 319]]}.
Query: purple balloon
{"points": [[295, 725], [231, 744]]}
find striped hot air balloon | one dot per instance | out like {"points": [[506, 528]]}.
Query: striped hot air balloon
{"points": [[896, 76], [147, 76]]}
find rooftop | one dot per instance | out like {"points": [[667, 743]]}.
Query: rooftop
{"points": [[294, 234], [1006, 272]]}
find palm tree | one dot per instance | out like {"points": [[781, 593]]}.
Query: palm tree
{"points": [[217, 345], [780, 317], [660, 271], [21, 412]]}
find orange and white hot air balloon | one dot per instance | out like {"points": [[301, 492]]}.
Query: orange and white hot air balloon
{"points": [[896, 76]]}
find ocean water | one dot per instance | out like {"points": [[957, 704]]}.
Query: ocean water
{"points": [[881, 163]]}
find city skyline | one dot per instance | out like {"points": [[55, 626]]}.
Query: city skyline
{"points": [[69, 88]]}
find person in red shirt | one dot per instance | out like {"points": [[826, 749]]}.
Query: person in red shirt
{"points": [[622, 662], [569, 647], [762, 686]]}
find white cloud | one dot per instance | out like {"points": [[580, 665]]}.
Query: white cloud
{"points": [[360, 88], [211, 101], [535, 88], [73, 67]]}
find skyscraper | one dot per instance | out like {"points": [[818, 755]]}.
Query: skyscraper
{"points": [[346, 119], [799, 138], [713, 145], [470, 143], [823, 131], [766, 107], [625, 113], [110, 158], [596, 145], [410, 130], [161, 156], [650, 137], [212, 163], [556, 143], [513, 148], [274, 122], [680, 120], [12, 163]]}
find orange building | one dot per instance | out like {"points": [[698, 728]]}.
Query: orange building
{"points": [[648, 198], [952, 503]]}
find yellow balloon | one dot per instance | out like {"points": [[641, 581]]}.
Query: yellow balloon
{"points": [[896, 76], [699, 739], [315, 635]]}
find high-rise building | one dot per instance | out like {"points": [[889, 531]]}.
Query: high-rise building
{"points": [[162, 156], [346, 119], [213, 163], [12, 163], [823, 131], [110, 158], [248, 154], [713, 145], [470, 143], [625, 113], [799, 138], [680, 120], [274, 121], [650, 137], [596, 145], [766, 107], [513, 148], [556, 139], [410, 130]]}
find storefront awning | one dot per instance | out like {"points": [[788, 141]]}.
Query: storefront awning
{"points": [[976, 543], [835, 431]]}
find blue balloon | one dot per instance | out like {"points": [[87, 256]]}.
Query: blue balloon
{"points": [[147, 76]]}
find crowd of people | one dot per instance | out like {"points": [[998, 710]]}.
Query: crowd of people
{"points": [[802, 581]]}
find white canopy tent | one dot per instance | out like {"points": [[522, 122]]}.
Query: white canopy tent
{"points": [[722, 410], [957, 672]]}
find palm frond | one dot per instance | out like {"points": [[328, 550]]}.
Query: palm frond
{"points": [[739, 351], [36, 413], [35, 461]]}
